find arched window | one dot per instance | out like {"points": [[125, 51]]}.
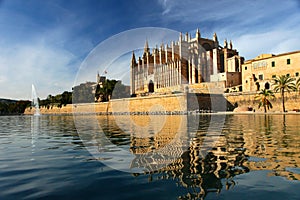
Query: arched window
{"points": [[257, 86], [267, 86]]}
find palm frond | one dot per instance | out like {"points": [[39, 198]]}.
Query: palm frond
{"points": [[263, 96]]}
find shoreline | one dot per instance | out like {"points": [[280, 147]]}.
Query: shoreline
{"points": [[164, 113], [179, 104]]}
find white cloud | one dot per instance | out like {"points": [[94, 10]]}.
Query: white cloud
{"points": [[44, 55], [279, 39], [232, 11], [39, 54], [48, 68], [254, 26]]}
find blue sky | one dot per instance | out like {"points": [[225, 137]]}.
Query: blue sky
{"points": [[45, 42]]}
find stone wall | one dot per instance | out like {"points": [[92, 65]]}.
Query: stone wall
{"points": [[150, 104], [248, 100], [51, 110], [175, 103]]}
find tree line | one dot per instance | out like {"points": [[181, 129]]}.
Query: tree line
{"points": [[57, 100], [87, 93], [13, 107], [282, 84]]}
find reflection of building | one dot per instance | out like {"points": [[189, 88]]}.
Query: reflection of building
{"points": [[165, 134], [273, 144], [187, 61], [246, 142], [196, 164], [258, 73]]}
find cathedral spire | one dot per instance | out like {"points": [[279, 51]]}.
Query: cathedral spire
{"points": [[180, 36], [198, 35], [215, 37], [133, 56], [230, 45], [225, 43], [146, 48], [187, 36], [133, 61], [162, 46]]}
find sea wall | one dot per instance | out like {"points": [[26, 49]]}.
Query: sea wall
{"points": [[175, 103], [248, 100]]}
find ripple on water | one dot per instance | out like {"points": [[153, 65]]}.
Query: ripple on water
{"points": [[46, 158]]}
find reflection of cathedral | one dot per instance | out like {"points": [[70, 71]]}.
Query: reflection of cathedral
{"points": [[187, 61], [247, 142], [199, 168]]}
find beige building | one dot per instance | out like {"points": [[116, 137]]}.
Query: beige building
{"points": [[186, 62], [258, 73]]}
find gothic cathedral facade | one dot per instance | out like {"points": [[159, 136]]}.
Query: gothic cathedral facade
{"points": [[188, 61]]}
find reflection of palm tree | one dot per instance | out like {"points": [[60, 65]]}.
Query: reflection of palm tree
{"points": [[284, 84], [284, 125], [267, 124], [264, 96]]}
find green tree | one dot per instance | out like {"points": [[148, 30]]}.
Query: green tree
{"points": [[298, 84], [283, 84], [264, 97], [66, 98], [98, 92], [105, 91], [9, 107]]}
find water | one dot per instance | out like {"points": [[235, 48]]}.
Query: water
{"points": [[253, 157]]}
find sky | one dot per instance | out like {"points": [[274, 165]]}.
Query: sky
{"points": [[48, 43]]}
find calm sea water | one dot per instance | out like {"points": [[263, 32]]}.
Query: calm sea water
{"points": [[150, 157]]}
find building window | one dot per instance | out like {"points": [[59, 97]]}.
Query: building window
{"points": [[273, 63], [288, 61], [297, 74], [245, 67], [261, 77], [246, 81], [257, 86], [267, 86], [273, 76], [288, 75]]}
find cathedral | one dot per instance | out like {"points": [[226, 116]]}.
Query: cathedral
{"points": [[183, 63]]}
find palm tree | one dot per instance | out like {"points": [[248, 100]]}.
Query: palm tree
{"points": [[298, 84], [283, 84], [264, 96]]}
